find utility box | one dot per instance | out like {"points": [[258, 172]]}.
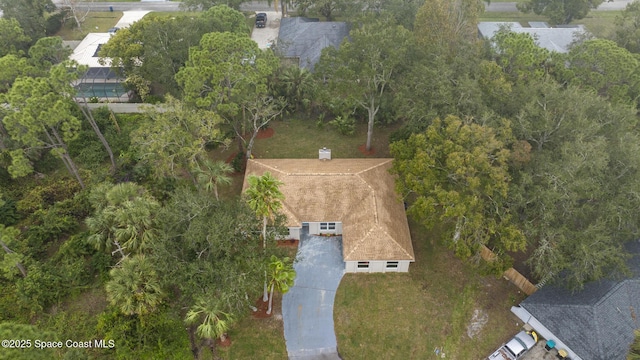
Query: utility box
{"points": [[324, 154]]}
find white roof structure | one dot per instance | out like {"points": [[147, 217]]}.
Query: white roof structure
{"points": [[86, 52], [556, 39]]}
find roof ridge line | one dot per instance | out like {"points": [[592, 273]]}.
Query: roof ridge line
{"points": [[268, 166], [374, 166], [359, 242]]}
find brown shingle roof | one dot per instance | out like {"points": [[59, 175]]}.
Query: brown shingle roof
{"points": [[357, 192]]}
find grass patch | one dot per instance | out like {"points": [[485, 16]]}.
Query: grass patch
{"points": [[300, 139], [408, 316], [258, 338], [98, 22]]}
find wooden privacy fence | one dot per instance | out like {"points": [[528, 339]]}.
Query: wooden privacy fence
{"points": [[511, 274]]}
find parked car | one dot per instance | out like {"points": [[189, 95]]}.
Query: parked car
{"points": [[113, 30], [261, 20], [516, 347]]}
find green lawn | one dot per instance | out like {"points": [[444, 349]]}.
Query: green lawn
{"points": [[98, 22], [408, 316], [302, 139]]}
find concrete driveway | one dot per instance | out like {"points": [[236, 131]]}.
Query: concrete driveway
{"points": [[307, 309], [269, 34]]}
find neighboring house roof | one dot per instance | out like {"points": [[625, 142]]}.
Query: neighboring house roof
{"points": [[305, 38], [596, 323], [357, 192], [86, 52], [556, 39]]}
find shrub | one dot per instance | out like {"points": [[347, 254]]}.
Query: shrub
{"points": [[44, 196], [54, 22], [8, 213], [238, 162], [344, 124]]}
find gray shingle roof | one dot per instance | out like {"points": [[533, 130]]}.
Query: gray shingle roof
{"points": [[598, 322], [556, 39], [304, 38]]}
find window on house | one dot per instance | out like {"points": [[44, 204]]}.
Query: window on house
{"points": [[363, 264], [327, 226], [392, 264]]}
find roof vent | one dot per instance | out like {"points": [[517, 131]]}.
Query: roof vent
{"points": [[324, 154]]}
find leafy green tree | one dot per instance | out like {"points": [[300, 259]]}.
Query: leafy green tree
{"points": [[627, 31], [361, 70], [214, 173], [167, 41], [12, 330], [175, 139], [457, 172], [39, 117], [224, 73], [124, 218], [212, 320], [11, 260], [134, 287], [30, 14], [49, 51], [326, 8], [14, 66], [12, 38], [260, 111], [281, 276], [575, 195], [447, 26], [559, 11], [520, 58], [606, 68], [265, 198], [210, 250]]}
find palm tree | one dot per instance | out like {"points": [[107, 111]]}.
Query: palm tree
{"points": [[134, 287], [124, 218], [214, 174], [297, 83], [213, 322], [282, 275], [265, 199]]}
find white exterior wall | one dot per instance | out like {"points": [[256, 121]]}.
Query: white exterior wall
{"points": [[314, 228], [542, 330], [294, 233], [377, 267]]}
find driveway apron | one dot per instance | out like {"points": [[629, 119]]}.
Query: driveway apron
{"points": [[307, 309]]}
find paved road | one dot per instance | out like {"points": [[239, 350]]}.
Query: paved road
{"points": [[307, 309], [263, 6]]}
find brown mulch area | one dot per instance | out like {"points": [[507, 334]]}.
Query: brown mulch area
{"points": [[363, 150], [262, 306], [225, 343], [265, 134], [287, 243]]}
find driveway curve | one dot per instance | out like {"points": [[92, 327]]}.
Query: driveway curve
{"points": [[307, 309]]}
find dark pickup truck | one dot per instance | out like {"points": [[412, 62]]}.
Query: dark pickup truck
{"points": [[261, 20]]}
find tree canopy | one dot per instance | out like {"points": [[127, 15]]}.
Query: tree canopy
{"points": [[456, 173], [560, 11], [167, 41]]}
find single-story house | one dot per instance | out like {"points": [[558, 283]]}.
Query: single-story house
{"points": [[596, 323], [302, 39], [557, 39], [354, 198], [100, 81]]}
